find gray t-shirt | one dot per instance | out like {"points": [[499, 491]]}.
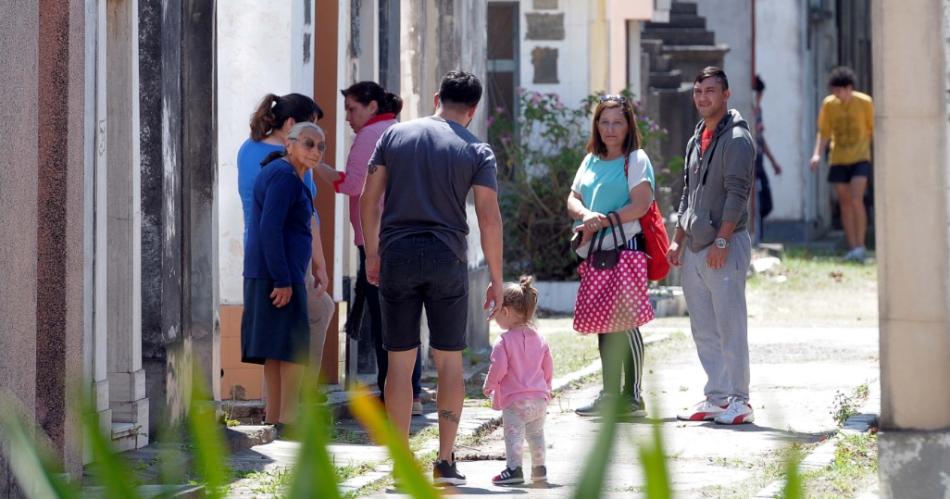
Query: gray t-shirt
{"points": [[431, 164]]}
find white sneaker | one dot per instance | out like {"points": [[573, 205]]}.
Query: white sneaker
{"points": [[738, 412], [856, 254], [703, 411]]}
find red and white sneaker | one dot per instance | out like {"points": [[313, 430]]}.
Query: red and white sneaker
{"points": [[703, 411], [738, 412]]}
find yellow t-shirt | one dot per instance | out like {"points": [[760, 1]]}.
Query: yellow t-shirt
{"points": [[849, 125]]}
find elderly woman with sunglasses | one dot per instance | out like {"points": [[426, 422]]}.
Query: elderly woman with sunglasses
{"points": [[275, 328], [616, 175]]}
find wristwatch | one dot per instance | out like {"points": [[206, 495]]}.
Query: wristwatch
{"points": [[721, 243]]}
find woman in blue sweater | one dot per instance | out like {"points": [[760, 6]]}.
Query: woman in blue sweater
{"points": [[277, 258]]}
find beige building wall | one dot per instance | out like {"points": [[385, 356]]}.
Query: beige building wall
{"points": [[912, 163]]}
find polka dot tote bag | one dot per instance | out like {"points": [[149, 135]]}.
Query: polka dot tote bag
{"points": [[613, 292]]}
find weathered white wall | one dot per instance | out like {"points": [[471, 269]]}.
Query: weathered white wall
{"points": [[787, 104], [260, 51], [731, 20], [573, 52]]}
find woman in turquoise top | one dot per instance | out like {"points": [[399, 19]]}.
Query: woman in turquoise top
{"points": [[616, 175]]}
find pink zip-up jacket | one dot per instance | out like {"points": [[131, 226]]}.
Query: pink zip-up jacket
{"points": [[357, 163], [521, 368]]}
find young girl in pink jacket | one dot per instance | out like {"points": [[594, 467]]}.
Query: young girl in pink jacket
{"points": [[519, 382]]}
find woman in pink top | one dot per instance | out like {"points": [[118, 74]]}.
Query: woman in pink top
{"points": [[370, 110], [519, 382]]}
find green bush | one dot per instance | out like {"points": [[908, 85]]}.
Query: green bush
{"points": [[539, 151]]}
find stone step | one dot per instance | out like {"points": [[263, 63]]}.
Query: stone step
{"points": [[678, 21], [246, 436], [683, 8], [666, 79], [661, 64], [675, 36]]}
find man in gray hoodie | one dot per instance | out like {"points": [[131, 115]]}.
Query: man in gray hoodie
{"points": [[713, 245]]}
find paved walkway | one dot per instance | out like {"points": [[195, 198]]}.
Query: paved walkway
{"points": [[795, 375]]}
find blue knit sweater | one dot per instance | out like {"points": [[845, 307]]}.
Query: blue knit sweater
{"points": [[278, 237]]}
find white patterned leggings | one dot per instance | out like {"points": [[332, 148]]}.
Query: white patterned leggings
{"points": [[524, 419]]}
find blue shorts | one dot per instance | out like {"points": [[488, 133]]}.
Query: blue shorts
{"points": [[418, 271], [842, 174]]}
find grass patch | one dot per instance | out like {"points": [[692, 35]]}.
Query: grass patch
{"points": [[844, 406], [854, 466], [763, 471], [820, 289]]}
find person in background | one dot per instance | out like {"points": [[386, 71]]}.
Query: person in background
{"points": [[846, 121], [269, 125], [370, 111], [763, 190], [275, 328]]}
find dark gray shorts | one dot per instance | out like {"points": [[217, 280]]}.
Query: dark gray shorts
{"points": [[842, 174], [419, 271]]}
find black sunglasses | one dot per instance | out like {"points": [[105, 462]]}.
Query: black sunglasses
{"points": [[616, 98], [310, 144]]}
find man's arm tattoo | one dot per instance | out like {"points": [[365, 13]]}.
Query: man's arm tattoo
{"points": [[373, 168], [449, 415]]}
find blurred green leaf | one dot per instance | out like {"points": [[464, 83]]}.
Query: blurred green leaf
{"points": [[210, 452], [595, 470], [112, 472], [315, 475], [653, 461], [370, 413], [33, 471], [793, 479]]}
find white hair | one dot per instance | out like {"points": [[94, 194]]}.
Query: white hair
{"points": [[297, 129]]}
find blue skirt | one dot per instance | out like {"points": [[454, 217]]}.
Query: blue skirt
{"points": [[268, 332]]}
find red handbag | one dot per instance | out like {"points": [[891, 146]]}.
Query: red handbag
{"points": [[656, 237], [613, 293]]}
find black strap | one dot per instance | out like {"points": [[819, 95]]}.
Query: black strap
{"points": [[613, 214]]}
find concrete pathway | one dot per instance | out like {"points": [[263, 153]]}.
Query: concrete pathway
{"points": [[795, 375]]}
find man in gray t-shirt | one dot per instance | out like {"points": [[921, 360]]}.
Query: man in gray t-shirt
{"points": [[417, 253], [431, 164]]}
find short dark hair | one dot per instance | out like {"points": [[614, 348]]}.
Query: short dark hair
{"points": [[713, 72], [841, 76], [758, 85], [365, 92], [460, 88]]}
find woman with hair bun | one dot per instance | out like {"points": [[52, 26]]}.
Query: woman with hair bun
{"points": [[370, 111]]}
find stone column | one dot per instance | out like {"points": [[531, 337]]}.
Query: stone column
{"points": [[18, 206], [199, 156], [59, 231], [122, 251], [912, 177], [163, 336], [437, 37]]}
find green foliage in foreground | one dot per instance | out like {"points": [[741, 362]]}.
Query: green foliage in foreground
{"points": [[315, 475]]}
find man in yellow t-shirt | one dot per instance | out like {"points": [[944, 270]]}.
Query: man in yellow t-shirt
{"points": [[846, 120]]}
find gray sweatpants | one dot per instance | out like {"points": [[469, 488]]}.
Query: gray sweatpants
{"points": [[717, 315]]}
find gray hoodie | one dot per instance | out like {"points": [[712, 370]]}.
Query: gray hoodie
{"points": [[719, 182]]}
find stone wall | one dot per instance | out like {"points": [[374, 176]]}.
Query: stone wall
{"points": [[42, 200], [912, 128]]}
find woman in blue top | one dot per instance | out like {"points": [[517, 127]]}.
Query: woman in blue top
{"points": [[616, 175], [275, 328]]}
